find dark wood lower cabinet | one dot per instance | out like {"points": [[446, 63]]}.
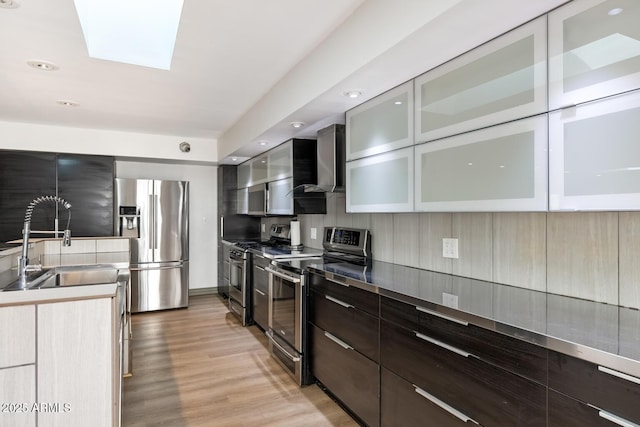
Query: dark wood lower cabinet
{"points": [[488, 394], [348, 323], [512, 354], [349, 376], [597, 385], [402, 405], [567, 412]]}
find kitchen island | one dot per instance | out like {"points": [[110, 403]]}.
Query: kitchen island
{"points": [[61, 347], [454, 349]]}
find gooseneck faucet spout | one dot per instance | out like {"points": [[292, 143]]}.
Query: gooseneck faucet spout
{"points": [[66, 240]]}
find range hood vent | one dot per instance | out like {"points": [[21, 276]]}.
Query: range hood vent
{"points": [[331, 152]]}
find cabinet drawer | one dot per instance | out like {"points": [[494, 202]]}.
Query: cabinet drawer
{"points": [[596, 385], [509, 353], [261, 308], [567, 412], [361, 299], [18, 340], [488, 394], [402, 405], [349, 376], [344, 321]]}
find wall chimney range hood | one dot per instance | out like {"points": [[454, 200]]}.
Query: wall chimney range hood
{"points": [[331, 151]]}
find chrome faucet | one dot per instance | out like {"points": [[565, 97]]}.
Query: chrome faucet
{"points": [[24, 266]]}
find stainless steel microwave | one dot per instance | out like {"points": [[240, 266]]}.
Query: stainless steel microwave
{"points": [[258, 199]]}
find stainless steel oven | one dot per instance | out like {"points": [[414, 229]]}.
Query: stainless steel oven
{"points": [[238, 281], [287, 319]]}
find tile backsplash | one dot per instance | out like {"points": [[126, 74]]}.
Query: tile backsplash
{"points": [[588, 255]]}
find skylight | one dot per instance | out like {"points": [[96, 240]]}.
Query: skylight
{"points": [[140, 32]]}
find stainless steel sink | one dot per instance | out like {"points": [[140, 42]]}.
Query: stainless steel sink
{"points": [[68, 276], [65, 276]]}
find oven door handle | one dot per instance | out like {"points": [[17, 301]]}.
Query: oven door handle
{"points": [[282, 276], [282, 349]]}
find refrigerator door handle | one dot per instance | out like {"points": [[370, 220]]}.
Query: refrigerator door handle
{"points": [[152, 232], [168, 267]]}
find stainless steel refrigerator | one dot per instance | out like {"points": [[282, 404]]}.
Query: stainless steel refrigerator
{"points": [[155, 216]]}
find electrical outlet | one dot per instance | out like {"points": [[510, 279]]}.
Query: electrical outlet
{"points": [[450, 300], [314, 233], [450, 248]]}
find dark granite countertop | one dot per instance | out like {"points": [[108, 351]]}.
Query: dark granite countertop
{"points": [[601, 333]]}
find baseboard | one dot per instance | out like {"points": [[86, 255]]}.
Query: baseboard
{"points": [[203, 291]]}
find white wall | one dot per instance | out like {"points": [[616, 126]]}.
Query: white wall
{"points": [[203, 205], [62, 139]]}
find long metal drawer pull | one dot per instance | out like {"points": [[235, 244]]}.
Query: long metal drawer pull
{"points": [[442, 316], [282, 276], [282, 349], [616, 419], [619, 374], [443, 345], [338, 341], [337, 301], [459, 415], [337, 282], [260, 292]]}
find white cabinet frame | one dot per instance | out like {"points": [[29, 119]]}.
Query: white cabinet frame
{"points": [[538, 202], [378, 162], [626, 166], [598, 54], [277, 170], [494, 90], [378, 103], [280, 200]]}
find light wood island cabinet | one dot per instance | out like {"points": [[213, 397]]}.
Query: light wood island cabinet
{"points": [[61, 361]]}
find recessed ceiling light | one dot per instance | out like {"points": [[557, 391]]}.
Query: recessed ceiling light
{"points": [[615, 11], [9, 4], [67, 103], [263, 143], [234, 159], [352, 93], [297, 125], [398, 102], [42, 65]]}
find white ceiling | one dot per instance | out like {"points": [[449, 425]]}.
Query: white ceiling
{"points": [[242, 69]]}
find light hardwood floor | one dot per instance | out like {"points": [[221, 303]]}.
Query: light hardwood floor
{"points": [[200, 367]]}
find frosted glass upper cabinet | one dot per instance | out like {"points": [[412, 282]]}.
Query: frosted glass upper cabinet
{"points": [[594, 155], [259, 169], [280, 200], [381, 124], [594, 50], [244, 175], [502, 80], [382, 183], [280, 162], [500, 168], [243, 201]]}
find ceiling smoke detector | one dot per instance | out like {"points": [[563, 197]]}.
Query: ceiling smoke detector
{"points": [[9, 4], [185, 147]]}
